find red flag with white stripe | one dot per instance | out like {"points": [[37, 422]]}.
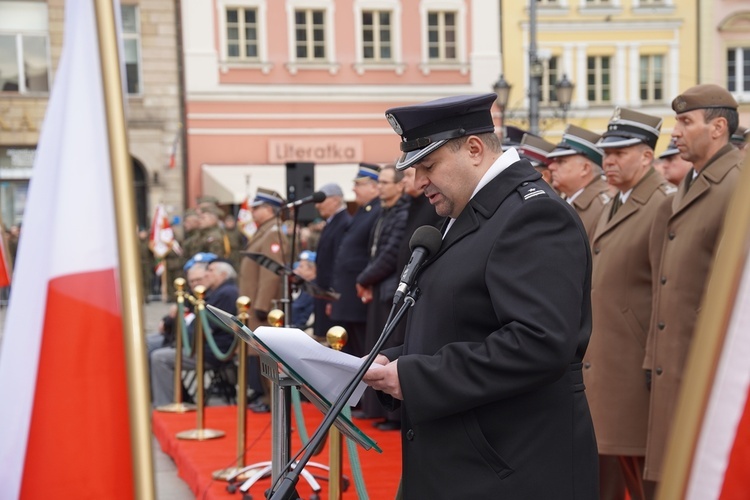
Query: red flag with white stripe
{"points": [[64, 419], [4, 267], [245, 219]]}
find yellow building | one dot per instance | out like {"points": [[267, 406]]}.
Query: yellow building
{"points": [[636, 54]]}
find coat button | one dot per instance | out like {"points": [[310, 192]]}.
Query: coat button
{"points": [[597, 250], [671, 235], [661, 325], [587, 365], [659, 371], [663, 280], [410, 435]]}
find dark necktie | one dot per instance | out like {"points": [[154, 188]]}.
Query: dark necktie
{"points": [[616, 203]]}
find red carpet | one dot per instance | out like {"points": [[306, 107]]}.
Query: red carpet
{"points": [[197, 460]]}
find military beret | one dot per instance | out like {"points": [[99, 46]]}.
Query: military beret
{"points": [[704, 96], [213, 209], [578, 141], [426, 126], [190, 211], [628, 127], [740, 136], [207, 199], [199, 257], [535, 149]]}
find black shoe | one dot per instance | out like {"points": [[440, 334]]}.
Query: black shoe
{"points": [[360, 414], [388, 425], [259, 407]]}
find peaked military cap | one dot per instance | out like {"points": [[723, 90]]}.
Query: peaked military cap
{"points": [[427, 126], [578, 141], [267, 197], [535, 149], [704, 96], [368, 171], [512, 136], [628, 127], [671, 150], [207, 199], [740, 136]]}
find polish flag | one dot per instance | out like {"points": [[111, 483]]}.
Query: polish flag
{"points": [[245, 219], [161, 236], [64, 417], [4, 267]]}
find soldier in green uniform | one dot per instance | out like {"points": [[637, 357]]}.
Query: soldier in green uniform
{"points": [[236, 239], [147, 263], [192, 233], [212, 235]]}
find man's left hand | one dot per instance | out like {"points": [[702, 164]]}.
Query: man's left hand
{"points": [[384, 378]]}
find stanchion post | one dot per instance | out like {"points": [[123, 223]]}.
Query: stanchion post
{"points": [[336, 337], [200, 433], [178, 406], [243, 306]]}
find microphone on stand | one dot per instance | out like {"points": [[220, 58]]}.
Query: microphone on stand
{"points": [[424, 243], [316, 197]]}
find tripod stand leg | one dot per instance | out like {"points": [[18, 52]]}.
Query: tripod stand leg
{"points": [[265, 471]]}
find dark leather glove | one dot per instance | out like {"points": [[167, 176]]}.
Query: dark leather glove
{"points": [[648, 379]]}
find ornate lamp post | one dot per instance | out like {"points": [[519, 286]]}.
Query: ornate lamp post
{"points": [[564, 90], [502, 89]]}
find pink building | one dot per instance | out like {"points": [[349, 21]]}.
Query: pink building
{"points": [[277, 82]]}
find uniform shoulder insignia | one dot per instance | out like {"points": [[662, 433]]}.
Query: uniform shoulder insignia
{"points": [[528, 190], [604, 197], [668, 188]]}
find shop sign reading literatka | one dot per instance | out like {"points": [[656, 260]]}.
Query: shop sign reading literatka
{"points": [[314, 150]]}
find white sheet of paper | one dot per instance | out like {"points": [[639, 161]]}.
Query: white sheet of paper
{"points": [[325, 369]]}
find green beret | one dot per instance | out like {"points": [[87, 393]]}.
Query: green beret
{"points": [[703, 96]]}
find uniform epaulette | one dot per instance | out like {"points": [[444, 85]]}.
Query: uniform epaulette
{"points": [[668, 188], [528, 190]]}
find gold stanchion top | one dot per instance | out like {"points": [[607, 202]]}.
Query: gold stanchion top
{"points": [[243, 303], [179, 284], [337, 337], [276, 318], [200, 291]]}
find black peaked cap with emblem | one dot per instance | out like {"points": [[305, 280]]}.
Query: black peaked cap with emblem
{"points": [[426, 126], [628, 127]]}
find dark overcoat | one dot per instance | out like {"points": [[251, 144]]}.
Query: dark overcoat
{"points": [[490, 371], [328, 244]]}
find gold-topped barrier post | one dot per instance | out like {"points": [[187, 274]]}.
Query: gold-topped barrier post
{"points": [[178, 406], [243, 306], [199, 433], [336, 337]]}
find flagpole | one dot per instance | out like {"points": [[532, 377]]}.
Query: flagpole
{"points": [[708, 340], [130, 287]]}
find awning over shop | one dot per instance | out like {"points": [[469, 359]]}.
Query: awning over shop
{"points": [[231, 184]]}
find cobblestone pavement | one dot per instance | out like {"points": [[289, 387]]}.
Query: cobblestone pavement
{"points": [[168, 485]]}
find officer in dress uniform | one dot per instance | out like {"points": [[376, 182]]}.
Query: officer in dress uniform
{"points": [[489, 375], [535, 149], [576, 167], [621, 301], [674, 167], [706, 116]]}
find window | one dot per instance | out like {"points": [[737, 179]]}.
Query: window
{"points": [[132, 42], [549, 80], [599, 2], [548, 2], [598, 84], [24, 47], [738, 69], [652, 79], [377, 43], [441, 36], [242, 33], [310, 35]]}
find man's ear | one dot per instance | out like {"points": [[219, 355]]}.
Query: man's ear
{"points": [[475, 147]]}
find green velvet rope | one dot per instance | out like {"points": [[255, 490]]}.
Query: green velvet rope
{"points": [[351, 448], [208, 335], [187, 346]]}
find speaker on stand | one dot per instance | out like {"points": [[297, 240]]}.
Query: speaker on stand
{"points": [[300, 182]]}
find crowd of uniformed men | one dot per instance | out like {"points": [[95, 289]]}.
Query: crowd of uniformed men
{"points": [[653, 223]]}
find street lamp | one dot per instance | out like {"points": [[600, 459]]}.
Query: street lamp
{"points": [[564, 90], [502, 89]]}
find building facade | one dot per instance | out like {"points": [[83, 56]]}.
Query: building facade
{"points": [[31, 37], [273, 84]]}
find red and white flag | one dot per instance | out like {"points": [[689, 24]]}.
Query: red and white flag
{"points": [[64, 419], [4, 266], [245, 219]]}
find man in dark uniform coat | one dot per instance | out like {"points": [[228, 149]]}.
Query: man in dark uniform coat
{"points": [[489, 376], [352, 257], [333, 210]]}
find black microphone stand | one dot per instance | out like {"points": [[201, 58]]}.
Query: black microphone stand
{"points": [[286, 489]]}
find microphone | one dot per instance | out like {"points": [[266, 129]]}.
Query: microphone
{"points": [[424, 243], [316, 197]]}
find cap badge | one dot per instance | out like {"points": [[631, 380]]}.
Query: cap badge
{"points": [[616, 115], [394, 123], [680, 104]]}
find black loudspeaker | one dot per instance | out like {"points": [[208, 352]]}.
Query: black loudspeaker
{"points": [[300, 182]]}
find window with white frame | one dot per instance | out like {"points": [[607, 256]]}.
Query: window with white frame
{"points": [[652, 79], [377, 36], [242, 33], [24, 47], [442, 36], [550, 76], [598, 79], [738, 69], [550, 3], [131, 38], [606, 3], [310, 35]]}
